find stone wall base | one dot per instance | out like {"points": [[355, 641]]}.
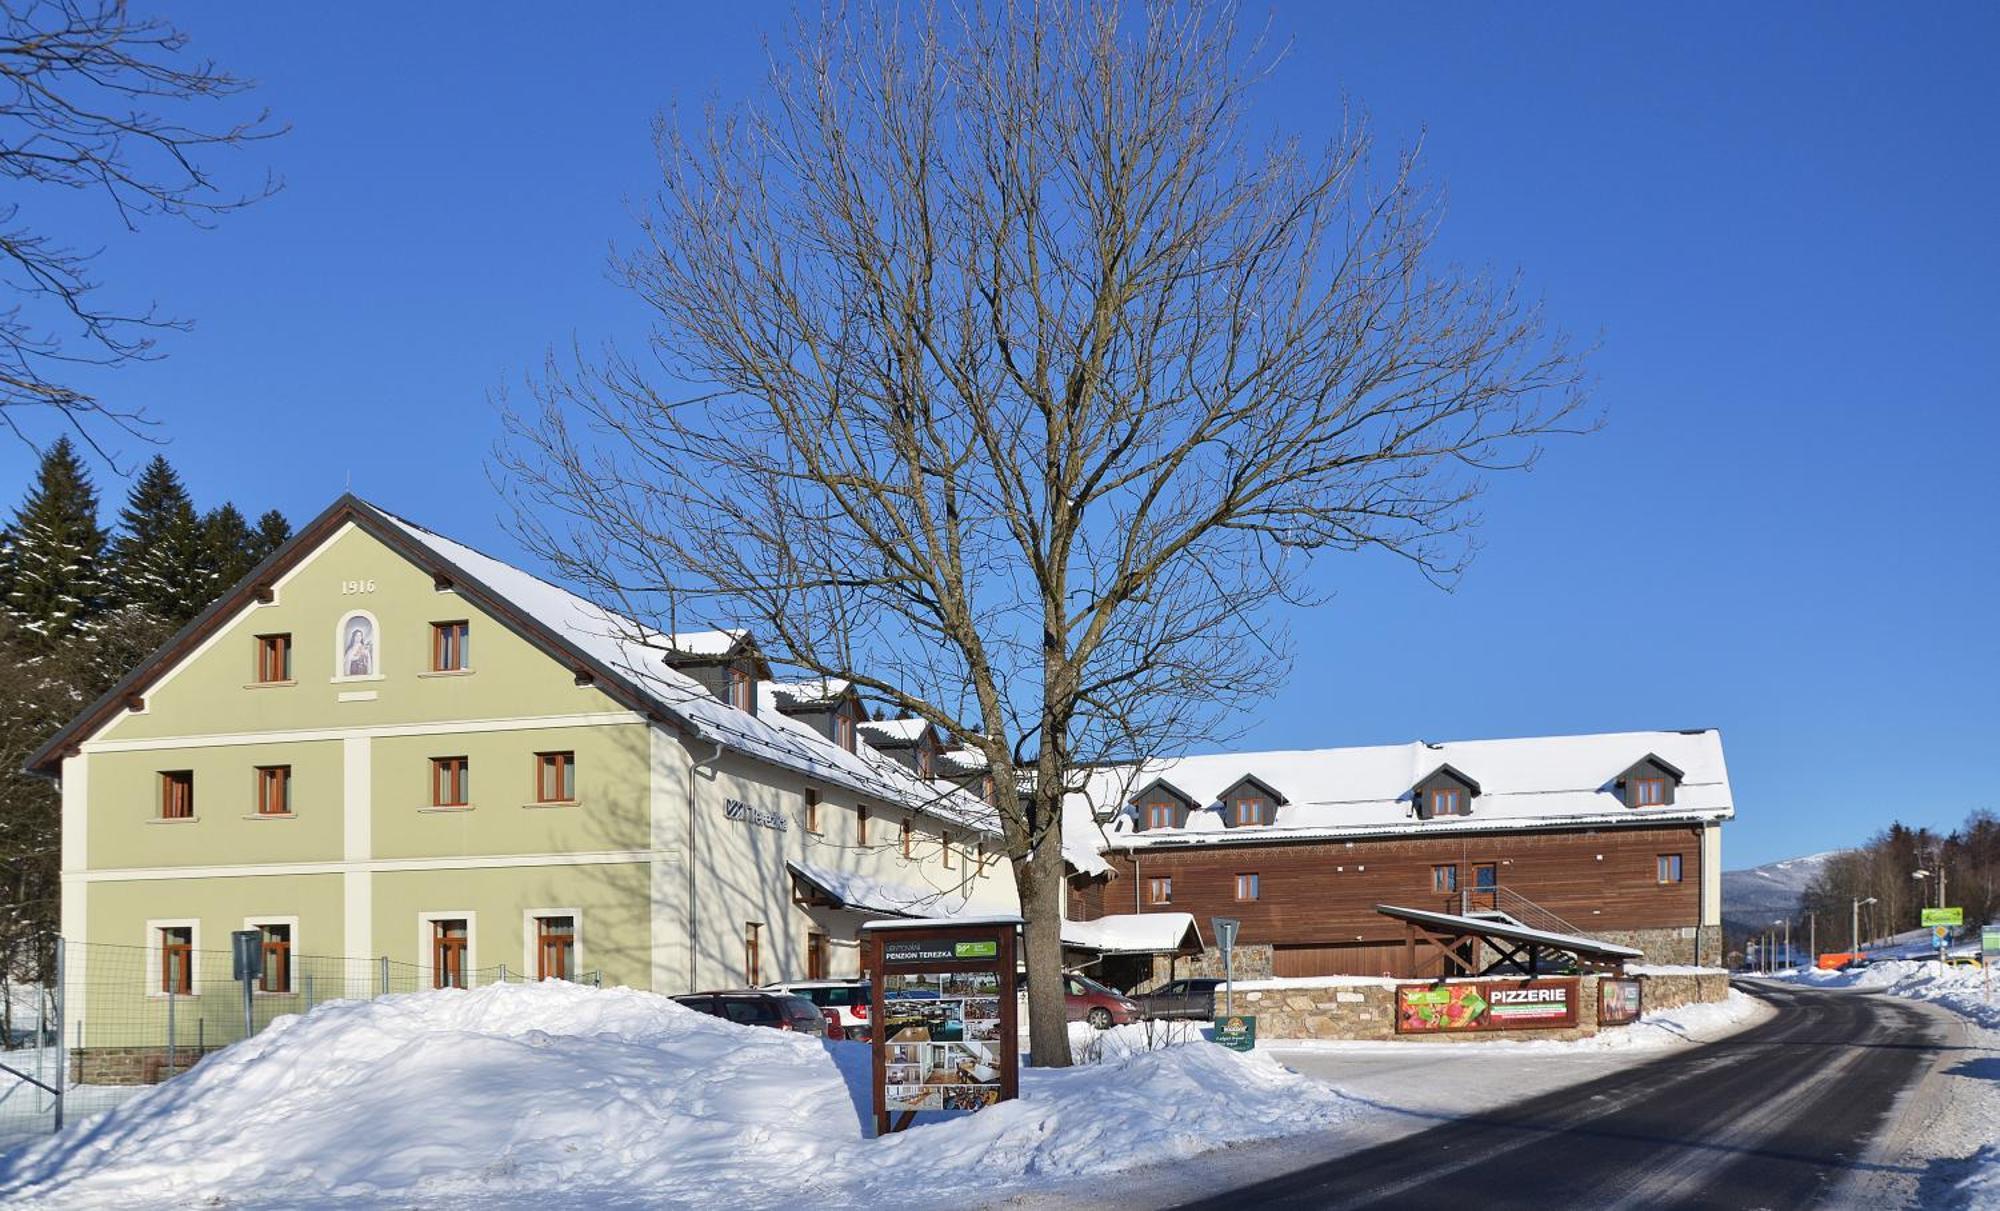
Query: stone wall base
{"points": [[1367, 1011], [129, 1065]]}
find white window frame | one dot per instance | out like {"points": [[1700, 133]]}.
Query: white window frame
{"points": [[528, 916], [278, 918], [425, 923], [154, 949], [340, 647]]}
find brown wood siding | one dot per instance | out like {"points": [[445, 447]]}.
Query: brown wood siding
{"points": [[1325, 894], [1350, 959]]}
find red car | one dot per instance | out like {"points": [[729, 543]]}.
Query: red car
{"points": [[1085, 1000]]}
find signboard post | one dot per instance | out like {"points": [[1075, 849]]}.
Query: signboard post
{"points": [[1237, 1031], [1225, 937], [247, 950], [947, 1025], [1618, 1001]]}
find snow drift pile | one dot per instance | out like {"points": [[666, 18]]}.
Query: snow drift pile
{"points": [[559, 1096], [1959, 989]]}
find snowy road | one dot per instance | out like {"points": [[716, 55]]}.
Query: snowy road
{"points": [[1782, 1115]]}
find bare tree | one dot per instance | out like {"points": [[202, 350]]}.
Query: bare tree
{"points": [[84, 81], [996, 371]]}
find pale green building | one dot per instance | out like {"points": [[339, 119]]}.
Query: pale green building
{"points": [[385, 745]]}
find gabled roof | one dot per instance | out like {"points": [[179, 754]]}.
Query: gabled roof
{"points": [[1447, 770], [1146, 792], [1531, 782], [620, 657], [817, 694], [1276, 796]]}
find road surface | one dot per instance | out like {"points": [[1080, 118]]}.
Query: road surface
{"points": [[1780, 1115]]}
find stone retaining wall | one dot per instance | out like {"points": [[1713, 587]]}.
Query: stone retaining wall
{"points": [[1671, 992], [128, 1065], [1368, 1012]]}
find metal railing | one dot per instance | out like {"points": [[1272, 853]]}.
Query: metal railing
{"points": [[1515, 906]]}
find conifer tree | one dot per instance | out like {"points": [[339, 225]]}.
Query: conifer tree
{"points": [[164, 563], [229, 542], [272, 532], [54, 554]]}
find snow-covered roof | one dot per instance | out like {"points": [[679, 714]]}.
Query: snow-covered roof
{"points": [[1582, 947], [819, 691], [1134, 933], [697, 645], [1532, 782], [895, 731], [865, 893], [638, 655]]}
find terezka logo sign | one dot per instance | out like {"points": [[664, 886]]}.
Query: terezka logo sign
{"points": [[763, 817], [1486, 1005]]}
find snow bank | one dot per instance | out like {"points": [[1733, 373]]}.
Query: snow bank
{"points": [[553, 1095], [1959, 989]]}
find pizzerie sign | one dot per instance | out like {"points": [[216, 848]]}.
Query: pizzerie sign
{"points": [[763, 817]]}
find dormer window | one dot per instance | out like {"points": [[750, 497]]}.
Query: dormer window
{"points": [[1445, 793], [926, 760], [1248, 809], [742, 689], [1249, 802], [1447, 801], [1161, 804], [1651, 782], [1159, 814]]}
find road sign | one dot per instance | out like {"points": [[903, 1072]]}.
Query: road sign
{"points": [[1940, 935], [1943, 916], [247, 948], [1989, 939], [1225, 932], [1238, 1031]]}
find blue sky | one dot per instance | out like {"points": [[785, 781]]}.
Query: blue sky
{"points": [[1777, 222]]}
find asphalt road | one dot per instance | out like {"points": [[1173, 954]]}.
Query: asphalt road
{"points": [[1778, 1116]]}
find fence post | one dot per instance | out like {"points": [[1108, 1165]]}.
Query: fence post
{"points": [[62, 1061], [171, 998], [309, 991], [503, 973], [385, 976]]}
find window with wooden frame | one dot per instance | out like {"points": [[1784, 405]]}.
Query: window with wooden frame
{"points": [[451, 781], [1160, 889], [1485, 877], [555, 777], [451, 646], [843, 729], [177, 794], [753, 953], [1249, 810], [742, 689], [177, 960], [274, 659], [274, 790], [1649, 792], [908, 839], [816, 955], [1667, 868], [449, 938], [277, 945], [555, 948], [1160, 814], [1247, 887], [812, 810], [1447, 801], [861, 824], [1444, 879]]}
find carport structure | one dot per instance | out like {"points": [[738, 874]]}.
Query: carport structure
{"points": [[1452, 943]]}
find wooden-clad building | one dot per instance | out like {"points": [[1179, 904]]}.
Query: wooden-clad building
{"points": [[1613, 836]]}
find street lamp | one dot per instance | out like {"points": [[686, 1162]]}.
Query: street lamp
{"points": [[1787, 923], [1854, 926]]}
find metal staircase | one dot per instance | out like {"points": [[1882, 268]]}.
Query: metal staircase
{"points": [[1502, 904]]}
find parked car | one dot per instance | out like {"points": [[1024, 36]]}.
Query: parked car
{"points": [[847, 1001], [1086, 1000], [756, 1007], [1967, 959], [1179, 999]]}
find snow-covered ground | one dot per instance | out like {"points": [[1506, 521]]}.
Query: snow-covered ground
{"points": [[551, 1095], [1963, 990]]}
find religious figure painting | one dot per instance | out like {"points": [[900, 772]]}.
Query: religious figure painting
{"points": [[357, 649]]}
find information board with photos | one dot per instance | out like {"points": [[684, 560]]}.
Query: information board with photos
{"points": [[946, 1036]]}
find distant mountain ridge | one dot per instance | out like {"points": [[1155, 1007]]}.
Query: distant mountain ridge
{"points": [[1753, 898]]}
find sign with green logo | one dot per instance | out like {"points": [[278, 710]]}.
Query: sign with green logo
{"points": [[1989, 940], [1238, 1031], [1944, 916], [975, 950]]}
